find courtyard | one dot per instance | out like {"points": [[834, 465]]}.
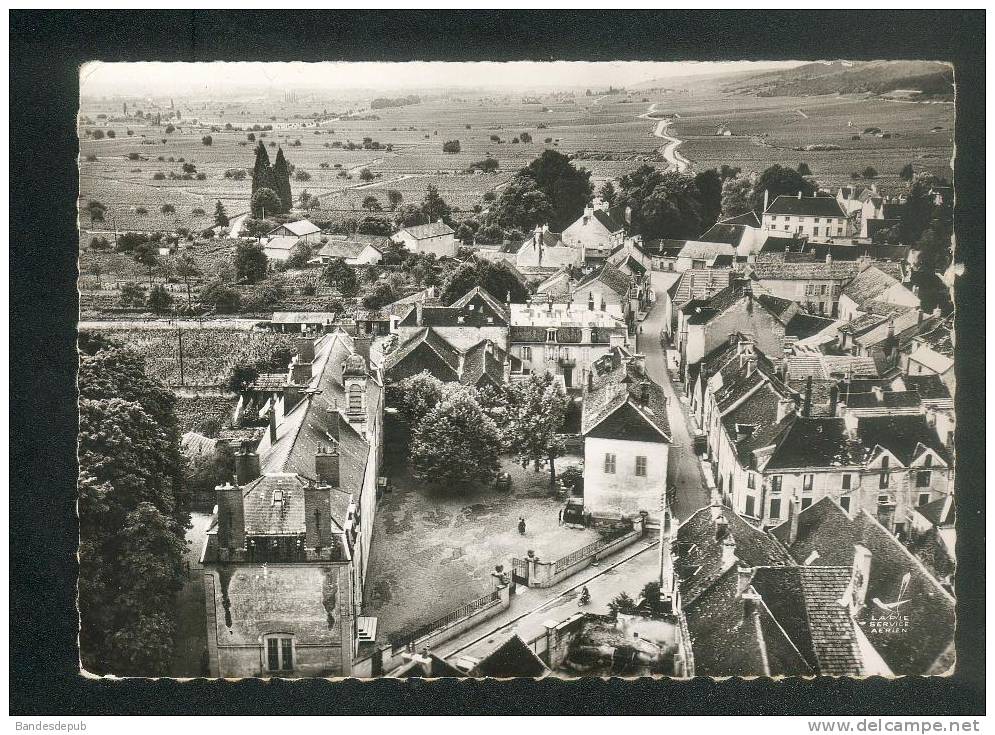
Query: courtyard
{"points": [[434, 548]]}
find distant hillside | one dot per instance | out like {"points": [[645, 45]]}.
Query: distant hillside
{"points": [[930, 79]]}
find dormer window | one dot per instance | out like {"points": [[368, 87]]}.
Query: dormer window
{"points": [[550, 335], [277, 496]]}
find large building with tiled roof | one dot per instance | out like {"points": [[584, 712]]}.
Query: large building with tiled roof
{"points": [[816, 285], [871, 288], [482, 364], [435, 238], [900, 607], [564, 338], [286, 552], [626, 441], [817, 217], [475, 316], [596, 233]]}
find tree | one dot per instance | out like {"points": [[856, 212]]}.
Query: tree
{"points": [[146, 254], [381, 295], [537, 407], [456, 443], [933, 248], [372, 204], [488, 165], [257, 228], [803, 169], [451, 146], [736, 193], [241, 377], [608, 193], [906, 173], [265, 202], [223, 299], [186, 269], [415, 397], [300, 255], [566, 187], [207, 140], [494, 277], [918, 210], [663, 204], [262, 171], [250, 262], [869, 173], [281, 178], [394, 198], [409, 215], [778, 180], [160, 301], [525, 137], [375, 226], [366, 175], [434, 206], [710, 187], [522, 205], [622, 603], [220, 215], [132, 294], [728, 172], [341, 277], [133, 510]]}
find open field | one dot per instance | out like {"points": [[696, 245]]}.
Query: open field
{"points": [[765, 130]]}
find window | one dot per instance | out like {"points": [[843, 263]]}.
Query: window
{"points": [[839, 231], [816, 220], [884, 499], [845, 503], [846, 481], [809, 289], [815, 231], [775, 509], [751, 481], [807, 481], [750, 505], [923, 478], [609, 464], [806, 502], [823, 289], [640, 466], [550, 335], [822, 307], [279, 653], [775, 484], [355, 398], [883, 482], [923, 498], [526, 353]]}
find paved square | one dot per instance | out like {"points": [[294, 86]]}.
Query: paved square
{"points": [[434, 549]]}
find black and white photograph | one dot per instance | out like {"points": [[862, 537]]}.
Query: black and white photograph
{"points": [[518, 369]]}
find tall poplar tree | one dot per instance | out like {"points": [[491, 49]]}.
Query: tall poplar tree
{"points": [[281, 180], [262, 171]]}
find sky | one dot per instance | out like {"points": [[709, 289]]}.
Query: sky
{"points": [[161, 78]]}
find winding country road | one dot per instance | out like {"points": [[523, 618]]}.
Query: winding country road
{"points": [[669, 150]]}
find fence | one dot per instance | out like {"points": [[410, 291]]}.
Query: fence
{"points": [[590, 550], [536, 573], [403, 639]]}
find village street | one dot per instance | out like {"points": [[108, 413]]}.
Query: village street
{"points": [[684, 469]]}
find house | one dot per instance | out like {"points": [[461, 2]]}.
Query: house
{"points": [[817, 217], [662, 253], [751, 610], [626, 441], [743, 232], [699, 254], [303, 229], [597, 233], [696, 284], [303, 321], [479, 365], [562, 338], [475, 316], [930, 352], [903, 611], [353, 249], [436, 238], [513, 658], [872, 287], [933, 537], [281, 247], [815, 285], [611, 290], [286, 551]]}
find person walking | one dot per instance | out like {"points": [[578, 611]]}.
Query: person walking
{"points": [[521, 526], [561, 517]]}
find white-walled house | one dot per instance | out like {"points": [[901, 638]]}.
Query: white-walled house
{"points": [[436, 238], [353, 249], [302, 229], [816, 217], [626, 442]]}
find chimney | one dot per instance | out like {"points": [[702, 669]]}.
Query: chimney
{"points": [[638, 361], [807, 405], [305, 349], [231, 517], [317, 517], [721, 526], [743, 579], [590, 301], [272, 425], [834, 397], [785, 407], [799, 195], [829, 258], [766, 198], [361, 346], [300, 372], [246, 466], [794, 508], [859, 576], [728, 550], [326, 466]]}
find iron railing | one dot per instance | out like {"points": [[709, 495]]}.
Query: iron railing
{"points": [[590, 550], [403, 639]]}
